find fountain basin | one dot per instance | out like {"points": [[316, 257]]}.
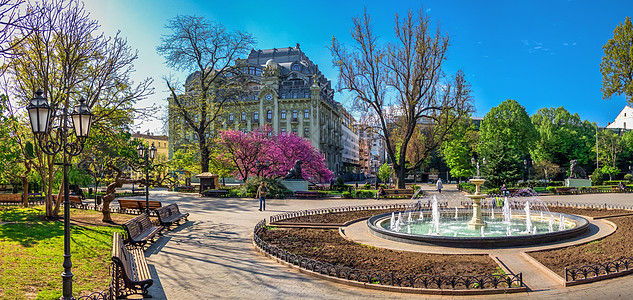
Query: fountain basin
{"points": [[574, 226]]}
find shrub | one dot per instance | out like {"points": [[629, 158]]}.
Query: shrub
{"points": [[555, 183], [467, 187], [494, 191], [614, 182], [362, 194], [628, 177], [346, 195], [596, 177], [367, 186], [275, 188], [551, 189]]}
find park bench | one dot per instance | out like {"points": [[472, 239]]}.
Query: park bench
{"points": [[397, 193], [170, 214], [75, 201], [140, 230], [138, 204], [11, 198], [566, 190], [213, 193], [130, 271]]}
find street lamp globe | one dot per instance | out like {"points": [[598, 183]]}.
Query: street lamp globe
{"points": [[152, 151], [140, 150], [39, 114], [82, 119]]}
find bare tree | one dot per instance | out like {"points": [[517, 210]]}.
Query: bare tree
{"points": [[402, 87], [68, 59], [207, 50], [10, 22]]}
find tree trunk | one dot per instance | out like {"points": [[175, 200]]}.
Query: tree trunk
{"points": [[204, 157], [111, 191], [25, 191]]}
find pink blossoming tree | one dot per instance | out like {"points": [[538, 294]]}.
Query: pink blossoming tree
{"points": [[264, 153]]}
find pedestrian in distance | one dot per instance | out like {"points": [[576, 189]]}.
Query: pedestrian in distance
{"points": [[439, 185], [262, 191]]}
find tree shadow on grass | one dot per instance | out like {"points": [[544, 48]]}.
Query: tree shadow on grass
{"points": [[28, 234]]}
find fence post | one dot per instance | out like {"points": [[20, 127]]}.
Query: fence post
{"points": [[566, 278]]}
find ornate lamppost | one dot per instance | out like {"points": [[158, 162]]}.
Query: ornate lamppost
{"points": [[41, 116], [148, 155]]}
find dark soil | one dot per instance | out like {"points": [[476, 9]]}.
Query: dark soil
{"points": [[589, 212], [330, 247], [338, 217], [616, 246]]}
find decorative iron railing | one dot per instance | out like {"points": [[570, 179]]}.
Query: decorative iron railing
{"points": [[623, 265], [421, 281], [103, 295]]}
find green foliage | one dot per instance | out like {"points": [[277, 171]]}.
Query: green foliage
{"points": [[596, 177], [506, 135], [628, 177], [346, 195], [562, 138], [275, 188], [385, 172], [616, 66], [362, 194], [459, 148], [609, 170], [466, 186], [551, 189]]}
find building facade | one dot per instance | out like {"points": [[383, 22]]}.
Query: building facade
{"points": [[371, 149], [287, 93], [624, 120], [350, 155]]}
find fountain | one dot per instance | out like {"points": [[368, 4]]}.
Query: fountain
{"points": [[525, 221]]}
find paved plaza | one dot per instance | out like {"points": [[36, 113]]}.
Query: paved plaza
{"points": [[212, 256]]}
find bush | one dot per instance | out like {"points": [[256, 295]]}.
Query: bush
{"points": [[467, 187], [551, 189], [367, 186], [275, 188], [596, 177], [615, 182], [362, 194], [495, 191], [556, 183], [628, 177], [346, 195]]}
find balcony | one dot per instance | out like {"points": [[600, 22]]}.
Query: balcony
{"points": [[294, 120]]}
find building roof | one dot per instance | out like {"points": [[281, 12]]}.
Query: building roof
{"points": [[207, 175], [149, 136]]}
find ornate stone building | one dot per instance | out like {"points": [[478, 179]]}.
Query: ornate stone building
{"points": [[287, 92]]}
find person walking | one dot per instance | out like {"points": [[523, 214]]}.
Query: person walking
{"points": [[439, 185], [262, 191]]}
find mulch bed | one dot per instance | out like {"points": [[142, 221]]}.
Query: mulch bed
{"points": [[329, 247], [338, 217], [616, 246]]}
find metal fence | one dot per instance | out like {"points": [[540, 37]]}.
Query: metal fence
{"points": [[623, 265], [421, 281]]}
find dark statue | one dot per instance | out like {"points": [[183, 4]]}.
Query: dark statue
{"points": [[295, 172], [575, 171]]}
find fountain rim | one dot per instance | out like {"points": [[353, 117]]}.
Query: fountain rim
{"points": [[582, 225]]}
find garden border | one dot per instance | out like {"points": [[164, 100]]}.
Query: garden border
{"points": [[395, 282]]}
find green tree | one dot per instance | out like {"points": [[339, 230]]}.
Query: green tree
{"points": [[385, 172], [562, 138], [609, 148], [617, 63], [68, 58], [506, 137], [459, 148]]}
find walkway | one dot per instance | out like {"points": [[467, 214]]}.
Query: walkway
{"points": [[212, 257]]}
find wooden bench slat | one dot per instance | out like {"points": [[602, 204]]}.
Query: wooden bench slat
{"points": [[170, 214], [140, 230], [130, 268]]}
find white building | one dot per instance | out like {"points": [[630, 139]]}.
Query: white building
{"points": [[624, 120], [350, 143]]}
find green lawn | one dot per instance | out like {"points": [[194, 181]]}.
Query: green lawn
{"points": [[31, 255]]}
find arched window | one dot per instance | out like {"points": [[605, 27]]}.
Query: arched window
{"points": [[256, 115], [294, 114], [295, 67], [231, 117], [306, 114], [269, 115], [283, 114], [243, 116]]}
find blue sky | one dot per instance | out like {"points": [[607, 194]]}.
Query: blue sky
{"points": [[540, 53]]}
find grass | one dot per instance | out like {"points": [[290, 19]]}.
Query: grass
{"points": [[31, 255]]}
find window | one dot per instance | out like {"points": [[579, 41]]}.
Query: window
{"points": [[283, 95], [294, 130], [295, 67], [283, 114], [624, 125], [295, 95], [283, 131], [231, 117], [243, 116], [269, 115], [294, 114], [256, 115], [306, 132], [306, 114], [306, 95]]}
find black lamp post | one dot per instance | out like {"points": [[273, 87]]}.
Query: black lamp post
{"points": [[41, 116], [148, 156]]}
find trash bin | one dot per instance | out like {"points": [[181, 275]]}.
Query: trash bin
{"points": [[98, 199]]}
